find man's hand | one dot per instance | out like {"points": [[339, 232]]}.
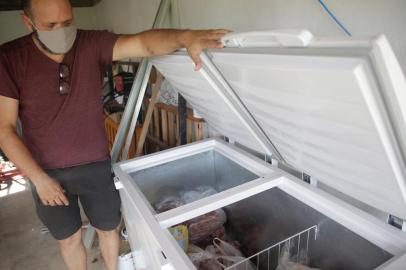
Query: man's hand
{"points": [[199, 40], [165, 41], [50, 192]]}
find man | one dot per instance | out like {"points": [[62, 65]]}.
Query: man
{"points": [[51, 79]]}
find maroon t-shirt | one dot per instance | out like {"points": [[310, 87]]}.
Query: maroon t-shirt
{"points": [[59, 130]]}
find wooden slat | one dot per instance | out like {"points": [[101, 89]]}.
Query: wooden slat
{"points": [[164, 127], [198, 131], [111, 127], [174, 110], [189, 131], [157, 130], [177, 139], [171, 129], [148, 116], [134, 144], [157, 142]]}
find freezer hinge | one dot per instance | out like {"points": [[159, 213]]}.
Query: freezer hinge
{"points": [[397, 222], [230, 141], [118, 183], [309, 179], [271, 160]]}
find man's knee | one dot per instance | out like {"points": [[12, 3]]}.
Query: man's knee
{"points": [[106, 234], [72, 241]]}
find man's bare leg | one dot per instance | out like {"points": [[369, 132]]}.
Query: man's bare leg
{"points": [[109, 245], [73, 251]]}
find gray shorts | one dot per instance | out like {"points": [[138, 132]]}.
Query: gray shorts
{"points": [[93, 185]]}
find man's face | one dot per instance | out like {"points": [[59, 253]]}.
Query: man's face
{"points": [[49, 14]]}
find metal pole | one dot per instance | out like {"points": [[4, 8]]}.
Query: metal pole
{"points": [[130, 112], [182, 109], [138, 104]]}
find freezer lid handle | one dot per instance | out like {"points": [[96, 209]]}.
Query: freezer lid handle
{"points": [[270, 38]]}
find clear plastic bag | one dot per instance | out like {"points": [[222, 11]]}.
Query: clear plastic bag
{"points": [[227, 261], [203, 259], [197, 193], [288, 262], [171, 197], [226, 249], [230, 255]]}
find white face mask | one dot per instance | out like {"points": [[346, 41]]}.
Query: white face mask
{"points": [[58, 41]]}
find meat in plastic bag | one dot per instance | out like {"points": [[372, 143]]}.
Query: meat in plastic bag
{"points": [[168, 203], [205, 225]]}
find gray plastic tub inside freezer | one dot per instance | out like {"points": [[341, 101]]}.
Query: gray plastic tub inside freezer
{"points": [[205, 169], [274, 216]]}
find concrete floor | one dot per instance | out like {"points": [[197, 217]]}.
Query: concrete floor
{"points": [[22, 244]]}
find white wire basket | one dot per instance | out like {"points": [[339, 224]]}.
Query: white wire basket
{"points": [[297, 245]]}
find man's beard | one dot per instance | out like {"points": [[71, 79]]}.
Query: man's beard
{"points": [[43, 46]]}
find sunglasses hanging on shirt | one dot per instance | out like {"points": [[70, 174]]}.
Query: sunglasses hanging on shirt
{"points": [[64, 86]]}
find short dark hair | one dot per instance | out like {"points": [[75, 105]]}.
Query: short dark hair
{"points": [[26, 7]]}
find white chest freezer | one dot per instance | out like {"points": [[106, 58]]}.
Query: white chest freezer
{"points": [[333, 110]]}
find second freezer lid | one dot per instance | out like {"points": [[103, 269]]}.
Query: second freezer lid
{"points": [[333, 109]]}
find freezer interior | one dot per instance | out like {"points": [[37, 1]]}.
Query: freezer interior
{"points": [[259, 222], [189, 179]]}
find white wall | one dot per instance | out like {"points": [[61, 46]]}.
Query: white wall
{"points": [[126, 16], [362, 17], [12, 26]]}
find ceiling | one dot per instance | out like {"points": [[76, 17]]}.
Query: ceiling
{"points": [[16, 4]]}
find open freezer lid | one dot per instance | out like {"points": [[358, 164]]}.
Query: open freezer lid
{"points": [[332, 108]]}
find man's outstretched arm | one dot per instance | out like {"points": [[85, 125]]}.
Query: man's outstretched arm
{"points": [[164, 41]]}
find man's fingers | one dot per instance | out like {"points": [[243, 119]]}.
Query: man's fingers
{"points": [[44, 202], [58, 201], [210, 39], [51, 203], [198, 66], [213, 44], [198, 62], [217, 36], [64, 200]]}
